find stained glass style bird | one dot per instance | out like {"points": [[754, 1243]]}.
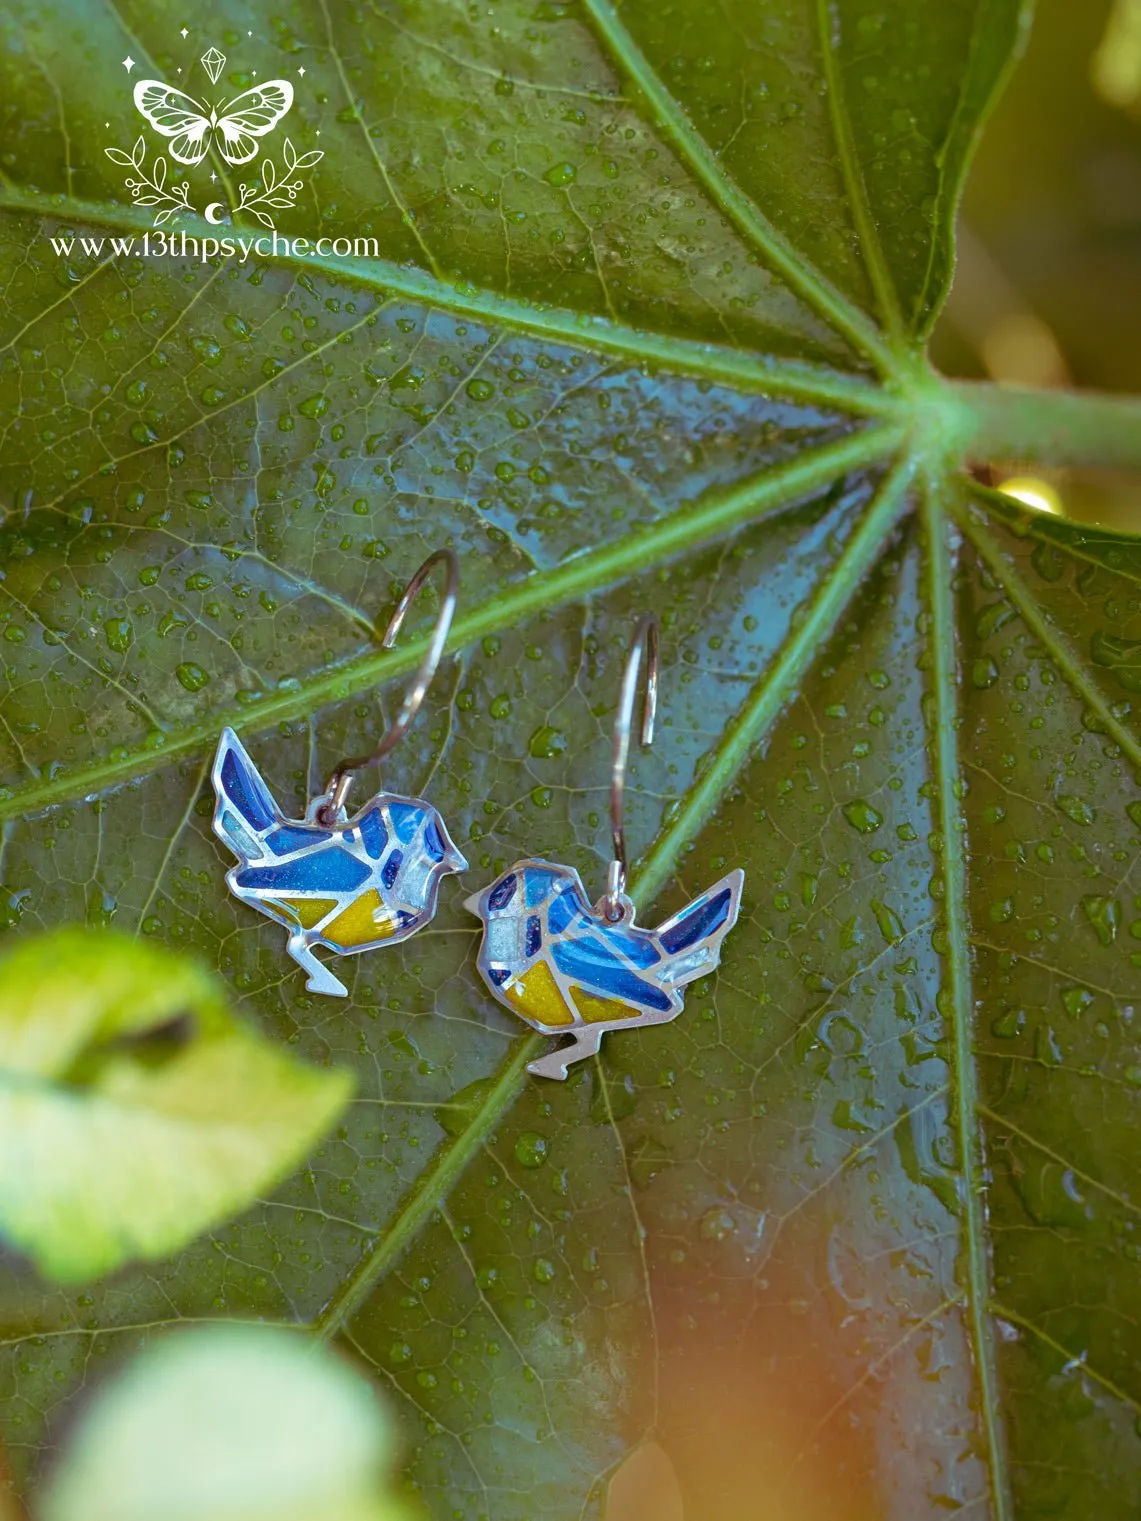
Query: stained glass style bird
{"points": [[565, 969], [357, 883]]}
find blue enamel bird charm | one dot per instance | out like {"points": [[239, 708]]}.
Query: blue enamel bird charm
{"points": [[364, 881], [565, 969]]}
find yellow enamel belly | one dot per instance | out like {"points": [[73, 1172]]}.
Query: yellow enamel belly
{"points": [[303, 911], [596, 1011], [536, 997], [365, 919]]}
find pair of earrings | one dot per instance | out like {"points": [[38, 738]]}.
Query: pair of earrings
{"points": [[352, 884]]}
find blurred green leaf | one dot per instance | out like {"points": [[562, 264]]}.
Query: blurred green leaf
{"points": [[135, 1111], [853, 1233], [235, 1424]]}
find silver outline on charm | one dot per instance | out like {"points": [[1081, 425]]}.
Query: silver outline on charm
{"points": [[351, 884], [329, 884], [565, 968]]}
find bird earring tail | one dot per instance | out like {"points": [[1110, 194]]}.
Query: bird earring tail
{"points": [[346, 883], [568, 969]]}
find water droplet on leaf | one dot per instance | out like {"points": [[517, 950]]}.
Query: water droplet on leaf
{"points": [[863, 816], [717, 1224], [546, 743], [531, 1149], [191, 676]]}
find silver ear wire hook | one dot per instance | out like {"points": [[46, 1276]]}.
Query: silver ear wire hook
{"points": [[644, 645], [337, 787]]}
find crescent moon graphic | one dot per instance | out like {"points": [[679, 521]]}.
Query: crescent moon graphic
{"points": [[214, 206]]}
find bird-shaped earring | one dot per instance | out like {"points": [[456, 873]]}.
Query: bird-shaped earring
{"points": [[349, 884], [568, 969]]}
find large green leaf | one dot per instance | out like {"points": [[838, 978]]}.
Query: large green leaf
{"points": [[853, 1234]]}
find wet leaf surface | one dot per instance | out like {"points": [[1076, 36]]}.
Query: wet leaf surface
{"points": [[855, 1232]]}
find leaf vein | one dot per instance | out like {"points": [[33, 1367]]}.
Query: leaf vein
{"points": [[1055, 643], [1073, 1359], [753, 372], [827, 24], [633, 554], [406, 215], [114, 461], [943, 725], [790, 264], [1047, 1151]]}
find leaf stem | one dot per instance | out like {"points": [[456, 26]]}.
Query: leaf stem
{"points": [[1002, 422]]}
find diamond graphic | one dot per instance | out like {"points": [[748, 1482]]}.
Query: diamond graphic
{"points": [[213, 62]]}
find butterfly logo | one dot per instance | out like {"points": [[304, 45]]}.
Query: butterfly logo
{"points": [[192, 126]]}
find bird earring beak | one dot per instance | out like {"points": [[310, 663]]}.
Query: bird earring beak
{"points": [[472, 904]]}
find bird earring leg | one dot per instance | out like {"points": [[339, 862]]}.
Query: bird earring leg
{"points": [[321, 980], [585, 1043]]}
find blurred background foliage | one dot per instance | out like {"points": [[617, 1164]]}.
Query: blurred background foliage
{"points": [[1048, 285]]}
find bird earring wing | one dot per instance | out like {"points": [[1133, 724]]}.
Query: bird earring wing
{"points": [[276, 858], [692, 937], [245, 809]]}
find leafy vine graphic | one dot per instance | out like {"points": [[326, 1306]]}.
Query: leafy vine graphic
{"points": [[152, 189], [273, 188], [280, 193]]}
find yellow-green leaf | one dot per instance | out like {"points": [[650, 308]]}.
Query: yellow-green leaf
{"points": [[235, 1424], [135, 1110]]}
